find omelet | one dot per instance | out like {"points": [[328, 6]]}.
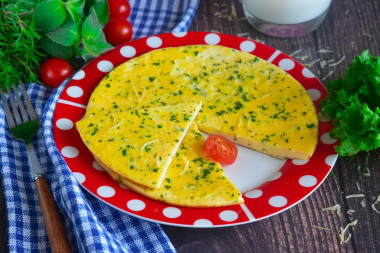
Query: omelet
{"points": [[138, 144], [246, 99], [193, 179]]}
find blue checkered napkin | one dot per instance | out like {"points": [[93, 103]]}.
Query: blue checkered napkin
{"points": [[158, 16], [91, 225]]}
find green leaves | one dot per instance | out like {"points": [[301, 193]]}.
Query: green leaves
{"points": [[56, 49], [67, 34], [94, 42], [49, 14], [72, 27], [354, 106]]}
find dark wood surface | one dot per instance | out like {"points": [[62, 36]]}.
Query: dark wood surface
{"points": [[350, 27]]}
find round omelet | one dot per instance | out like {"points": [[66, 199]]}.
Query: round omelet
{"points": [[246, 99]]}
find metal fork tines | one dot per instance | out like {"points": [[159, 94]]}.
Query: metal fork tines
{"points": [[22, 122]]}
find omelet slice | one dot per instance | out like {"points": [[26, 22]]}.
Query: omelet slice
{"points": [[138, 144], [246, 99], [193, 179]]}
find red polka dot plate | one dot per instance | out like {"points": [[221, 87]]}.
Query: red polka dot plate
{"points": [[269, 185]]}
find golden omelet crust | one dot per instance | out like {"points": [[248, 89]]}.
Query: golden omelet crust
{"points": [[192, 179], [246, 99], [138, 144]]}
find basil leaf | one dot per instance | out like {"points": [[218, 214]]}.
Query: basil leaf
{"points": [[55, 49], [101, 8], [49, 14], [67, 34], [75, 9], [87, 6], [91, 27], [93, 39], [94, 48]]}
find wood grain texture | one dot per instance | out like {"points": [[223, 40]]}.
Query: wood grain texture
{"points": [[56, 232], [350, 27]]}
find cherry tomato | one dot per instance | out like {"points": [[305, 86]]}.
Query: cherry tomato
{"points": [[54, 71], [119, 8], [118, 31], [221, 149]]}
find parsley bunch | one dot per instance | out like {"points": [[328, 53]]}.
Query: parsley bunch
{"points": [[353, 104]]}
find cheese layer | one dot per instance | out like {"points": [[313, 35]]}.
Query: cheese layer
{"points": [[245, 98], [193, 179], [138, 144]]}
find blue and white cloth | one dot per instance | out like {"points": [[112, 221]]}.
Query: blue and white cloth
{"points": [[153, 17], [91, 225]]}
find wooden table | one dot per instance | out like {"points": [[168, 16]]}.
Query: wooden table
{"points": [[350, 27]]}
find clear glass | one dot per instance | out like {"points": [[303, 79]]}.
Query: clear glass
{"points": [[286, 18]]}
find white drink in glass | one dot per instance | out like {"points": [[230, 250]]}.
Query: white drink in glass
{"points": [[286, 18]]}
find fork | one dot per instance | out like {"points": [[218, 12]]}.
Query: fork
{"points": [[23, 123]]}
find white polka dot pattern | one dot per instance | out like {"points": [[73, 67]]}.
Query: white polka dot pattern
{"points": [[314, 94], [286, 64], [247, 46], [307, 181], [74, 91], [212, 39], [79, 75], [253, 194], [154, 42], [128, 51], [326, 139], [70, 152], [97, 166], [228, 215], [136, 205], [79, 177], [179, 34], [331, 159], [278, 201], [64, 124], [171, 212], [106, 191], [300, 162], [203, 223], [307, 73], [105, 66], [322, 117]]}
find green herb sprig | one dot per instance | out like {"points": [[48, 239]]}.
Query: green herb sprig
{"points": [[72, 28], [353, 104], [19, 50]]}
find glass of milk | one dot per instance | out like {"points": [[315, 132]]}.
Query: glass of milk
{"points": [[286, 18]]}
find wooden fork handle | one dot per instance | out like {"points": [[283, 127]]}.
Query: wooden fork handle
{"points": [[54, 226]]}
